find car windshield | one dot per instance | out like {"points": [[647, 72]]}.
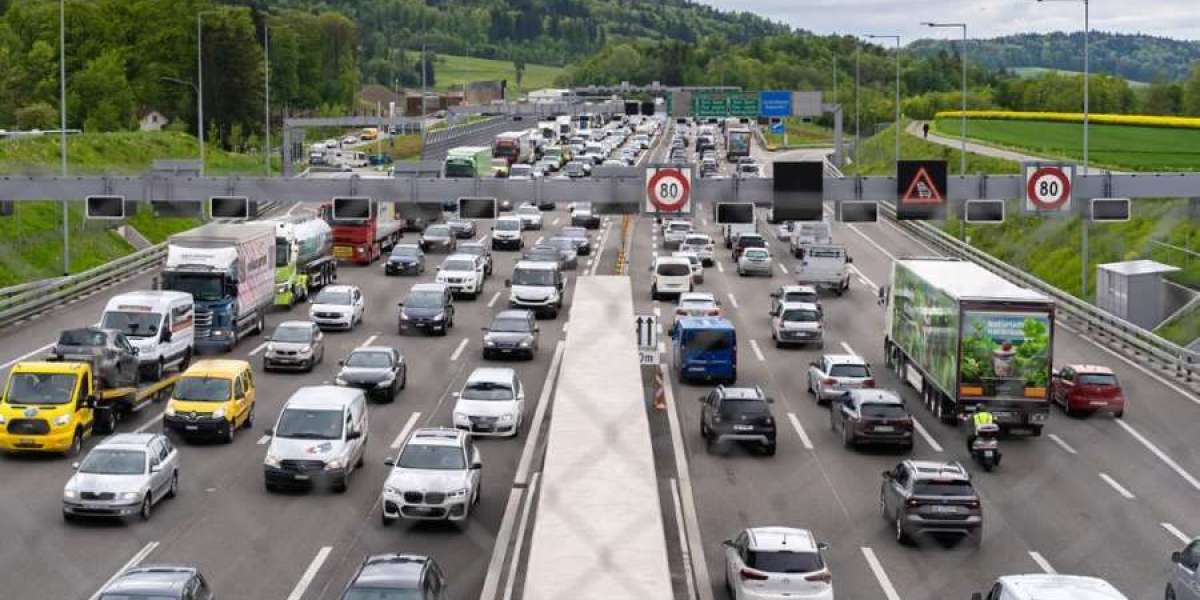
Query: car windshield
{"points": [[562, 243], [883, 411], [733, 407], [697, 303], [800, 297], [406, 251], [508, 225], [757, 254], [801, 315], [545, 253], [310, 424], [943, 488], [529, 210], [752, 242], [103, 461], [357, 593], [82, 337], [436, 231], [679, 227], [422, 456], [520, 170], [458, 265], [132, 324], [784, 562], [1097, 379], [293, 335], [487, 390], [120, 596], [201, 287], [40, 388], [574, 232], [333, 297], [424, 300], [511, 325], [472, 249], [858, 371], [696, 241], [369, 360], [709, 341], [201, 389], [536, 277], [673, 269]]}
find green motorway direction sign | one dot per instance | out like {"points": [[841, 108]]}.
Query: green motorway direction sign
{"points": [[725, 104]]}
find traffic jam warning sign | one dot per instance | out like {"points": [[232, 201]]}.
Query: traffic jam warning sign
{"points": [[920, 189], [669, 190], [1048, 187]]}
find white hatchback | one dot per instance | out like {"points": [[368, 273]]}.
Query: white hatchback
{"points": [[338, 306], [767, 563], [491, 403]]}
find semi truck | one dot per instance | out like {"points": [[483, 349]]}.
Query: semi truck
{"points": [[53, 405], [967, 339], [363, 228], [468, 162], [514, 147], [737, 143], [304, 261], [229, 269]]}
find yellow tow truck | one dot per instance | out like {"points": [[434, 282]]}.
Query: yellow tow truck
{"points": [[53, 405]]}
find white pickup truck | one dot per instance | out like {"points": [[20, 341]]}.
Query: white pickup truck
{"points": [[825, 266]]}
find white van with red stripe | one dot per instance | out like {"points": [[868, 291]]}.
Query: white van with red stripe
{"points": [[158, 323]]}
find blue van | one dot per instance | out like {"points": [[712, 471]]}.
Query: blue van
{"points": [[705, 348]]}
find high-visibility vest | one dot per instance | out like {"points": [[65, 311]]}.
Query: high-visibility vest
{"points": [[983, 418]]}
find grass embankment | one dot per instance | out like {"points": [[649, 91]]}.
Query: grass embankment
{"points": [[402, 147], [31, 240], [1120, 147], [452, 72], [801, 134], [1050, 247]]}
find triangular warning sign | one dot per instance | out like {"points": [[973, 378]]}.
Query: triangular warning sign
{"points": [[922, 190]]}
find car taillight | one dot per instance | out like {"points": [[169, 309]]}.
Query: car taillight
{"points": [[828, 381], [752, 575], [868, 383], [712, 312], [679, 312], [823, 577], [912, 502]]}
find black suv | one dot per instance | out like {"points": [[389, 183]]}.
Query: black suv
{"points": [[160, 581], [737, 414], [428, 307], [925, 497], [397, 576]]}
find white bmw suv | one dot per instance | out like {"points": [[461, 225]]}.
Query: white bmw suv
{"points": [[436, 477]]}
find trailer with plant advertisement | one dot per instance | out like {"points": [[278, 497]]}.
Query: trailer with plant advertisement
{"points": [[965, 338]]}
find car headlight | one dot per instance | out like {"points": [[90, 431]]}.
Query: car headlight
{"points": [[525, 343], [403, 317], [459, 493], [339, 380], [130, 495], [391, 491], [304, 351], [506, 418], [3, 420], [170, 411], [440, 316], [270, 348], [461, 416], [333, 464], [386, 382], [271, 460], [487, 342], [70, 494], [61, 420], [219, 413]]}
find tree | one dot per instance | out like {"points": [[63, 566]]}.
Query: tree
{"points": [[1191, 93], [39, 115], [1163, 97], [100, 96]]}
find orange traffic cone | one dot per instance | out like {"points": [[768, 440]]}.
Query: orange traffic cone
{"points": [[660, 391]]}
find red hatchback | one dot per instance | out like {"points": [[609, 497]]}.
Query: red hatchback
{"points": [[1085, 389]]}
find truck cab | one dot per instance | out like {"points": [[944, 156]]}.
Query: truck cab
{"points": [[47, 407], [704, 348]]}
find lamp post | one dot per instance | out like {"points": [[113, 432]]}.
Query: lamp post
{"points": [[897, 125], [962, 125], [857, 94], [267, 97], [199, 119], [1086, 77], [62, 126]]}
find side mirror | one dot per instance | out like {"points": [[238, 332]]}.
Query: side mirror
{"points": [[391, 462], [341, 363], [166, 335], [727, 543], [814, 365], [537, 329], [75, 466], [155, 468], [270, 431], [1055, 373], [400, 304], [977, 596], [475, 466], [455, 394], [822, 545], [849, 259], [507, 283], [770, 400], [1176, 557], [353, 435], [887, 475]]}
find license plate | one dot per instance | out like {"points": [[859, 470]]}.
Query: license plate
{"points": [[988, 453], [1002, 414], [300, 477], [1099, 403], [483, 427], [191, 427], [885, 428], [943, 509], [506, 350], [422, 510], [743, 427]]}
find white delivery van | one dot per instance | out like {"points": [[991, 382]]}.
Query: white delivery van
{"points": [[671, 276], [537, 286], [807, 233], [825, 266], [159, 323], [319, 439]]}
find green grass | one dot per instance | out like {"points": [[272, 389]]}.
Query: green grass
{"points": [[1183, 329], [452, 71], [125, 153], [877, 156], [1120, 147], [800, 133], [31, 242]]}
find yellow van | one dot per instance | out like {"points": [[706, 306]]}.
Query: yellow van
{"points": [[212, 398]]}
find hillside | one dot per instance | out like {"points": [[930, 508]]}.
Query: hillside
{"points": [[1133, 57], [451, 72]]}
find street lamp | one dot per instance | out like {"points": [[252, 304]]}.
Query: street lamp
{"points": [[200, 115], [962, 126], [897, 126], [62, 127]]}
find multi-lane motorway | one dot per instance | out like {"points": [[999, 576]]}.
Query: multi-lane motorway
{"points": [[1094, 496]]}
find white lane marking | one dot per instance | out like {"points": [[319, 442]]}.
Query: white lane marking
{"points": [[564, 327], [458, 351], [848, 349], [534, 431], [1042, 563], [654, 253], [683, 549], [733, 301], [873, 242], [310, 573], [403, 435], [495, 297], [704, 221], [262, 441], [1173, 530], [600, 251], [491, 581], [134, 561], [258, 348], [1062, 444], [518, 547], [555, 221], [152, 421], [782, 268], [657, 310], [1159, 453], [910, 236], [370, 340], [928, 438], [1116, 486], [25, 356], [757, 351], [691, 521], [880, 575], [800, 431], [720, 267], [539, 240], [862, 277], [1195, 399]]}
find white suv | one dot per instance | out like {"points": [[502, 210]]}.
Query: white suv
{"points": [[835, 374], [463, 274], [338, 306], [435, 477], [776, 562], [530, 215]]}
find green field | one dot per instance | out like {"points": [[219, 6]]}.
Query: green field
{"points": [[801, 134], [1119, 147], [877, 156], [452, 71]]}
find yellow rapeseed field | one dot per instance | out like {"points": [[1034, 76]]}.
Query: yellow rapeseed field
{"points": [[1057, 117]]}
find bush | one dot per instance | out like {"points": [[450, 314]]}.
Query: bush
{"points": [[39, 115]]}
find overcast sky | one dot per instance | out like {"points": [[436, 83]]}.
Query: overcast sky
{"points": [[1178, 19]]}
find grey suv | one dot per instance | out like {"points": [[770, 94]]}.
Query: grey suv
{"points": [[1185, 579], [161, 582], [925, 497], [397, 576], [294, 345]]}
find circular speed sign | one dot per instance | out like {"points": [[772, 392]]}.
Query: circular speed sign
{"points": [[1048, 188], [669, 190]]}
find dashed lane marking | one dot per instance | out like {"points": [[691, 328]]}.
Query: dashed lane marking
{"points": [[459, 350], [757, 351], [1116, 486], [800, 431], [1062, 444], [310, 573], [881, 576], [403, 435], [1042, 563]]}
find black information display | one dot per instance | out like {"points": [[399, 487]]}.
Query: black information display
{"points": [[351, 209], [735, 212], [1110, 209], [230, 207], [477, 208], [921, 190], [799, 191], [985, 211], [177, 209], [105, 207], [648, 109], [631, 108], [6, 208], [858, 212]]}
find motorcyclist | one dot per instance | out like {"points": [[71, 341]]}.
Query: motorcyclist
{"points": [[981, 418]]}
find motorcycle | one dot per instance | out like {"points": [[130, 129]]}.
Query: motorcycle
{"points": [[985, 447]]}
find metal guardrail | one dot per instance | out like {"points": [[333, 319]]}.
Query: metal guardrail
{"points": [[13, 290]]}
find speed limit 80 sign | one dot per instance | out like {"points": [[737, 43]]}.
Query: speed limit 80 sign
{"points": [[668, 190], [1048, 187]]}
